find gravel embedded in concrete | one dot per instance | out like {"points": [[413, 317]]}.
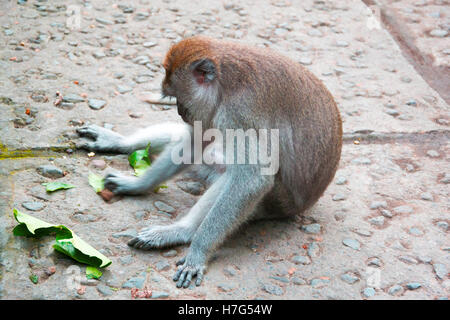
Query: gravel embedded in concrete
{"points": [[393, 166]]}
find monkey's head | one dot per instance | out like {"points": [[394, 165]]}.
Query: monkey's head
{"points": [[192, 78]]}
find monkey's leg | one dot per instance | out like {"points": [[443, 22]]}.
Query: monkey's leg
{"points": [[241, 189], [183, 230], [277, 204], [106, 140]]}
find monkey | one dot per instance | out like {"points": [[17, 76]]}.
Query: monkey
{"points": [[229, 85]]}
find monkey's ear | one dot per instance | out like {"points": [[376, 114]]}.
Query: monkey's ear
{"points": [[204, 70]]}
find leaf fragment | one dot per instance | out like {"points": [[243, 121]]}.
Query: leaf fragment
{"points": [[34, 278], [96, 182], [56, 185], [163, 186], [93, 273]]}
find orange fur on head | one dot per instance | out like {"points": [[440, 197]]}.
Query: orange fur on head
{"points": [[187, 51]]}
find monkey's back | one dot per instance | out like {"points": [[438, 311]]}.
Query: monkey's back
{"points": [[286, 96], [263, 89]]}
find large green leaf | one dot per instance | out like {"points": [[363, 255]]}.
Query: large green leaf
{"points": [[66, 242], [30, 226]]}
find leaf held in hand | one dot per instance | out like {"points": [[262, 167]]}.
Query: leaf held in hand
{"points": [[56, 185], [96, 182], [66, 242], [140, 160]]}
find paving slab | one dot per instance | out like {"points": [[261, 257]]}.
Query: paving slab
{"points": [[422, 30], [383, 222]]}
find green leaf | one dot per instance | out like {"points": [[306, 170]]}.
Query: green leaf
{"points": [[96, 182], [140, 160], [82, 252], [138, 155], [34, 278], [66, 242], [53, 186], [163, 186], [30, 226], [93, 273]]}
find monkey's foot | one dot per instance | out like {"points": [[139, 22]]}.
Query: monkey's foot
{"points": [[189, 267], [119, 183], [160, 236], [102, 139]]}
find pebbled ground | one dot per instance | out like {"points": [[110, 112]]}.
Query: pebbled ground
{"points": [[380, 231]]}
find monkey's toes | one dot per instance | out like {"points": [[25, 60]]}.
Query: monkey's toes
{"points": [[186, 272], [139, 243], [181, 261]]}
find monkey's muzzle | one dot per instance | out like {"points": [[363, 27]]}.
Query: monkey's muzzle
{"points": [[182, 111]]}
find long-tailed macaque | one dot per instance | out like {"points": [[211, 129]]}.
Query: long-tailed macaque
{"points": [[227, 85]]}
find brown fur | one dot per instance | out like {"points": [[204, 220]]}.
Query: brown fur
{"points": [[259, 88]]}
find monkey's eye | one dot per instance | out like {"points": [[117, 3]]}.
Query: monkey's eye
{"points": [[203, 70]]}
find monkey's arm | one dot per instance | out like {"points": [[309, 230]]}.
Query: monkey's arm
{"points": [[242, 189], [161, 169], [158, 136]]}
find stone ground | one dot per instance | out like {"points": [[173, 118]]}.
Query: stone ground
{"points": [[380, 231], [421, 28]]}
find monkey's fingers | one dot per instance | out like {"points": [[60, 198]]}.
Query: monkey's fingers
{"points": [[181, 261], [88, 131], [133, 241]]}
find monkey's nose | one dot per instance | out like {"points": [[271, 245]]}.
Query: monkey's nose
{"points": [[164, 92], [182, 111]]}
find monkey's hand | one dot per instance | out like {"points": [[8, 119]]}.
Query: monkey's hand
{"points": [[119, 183], [190, 266], [103, 139]]}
